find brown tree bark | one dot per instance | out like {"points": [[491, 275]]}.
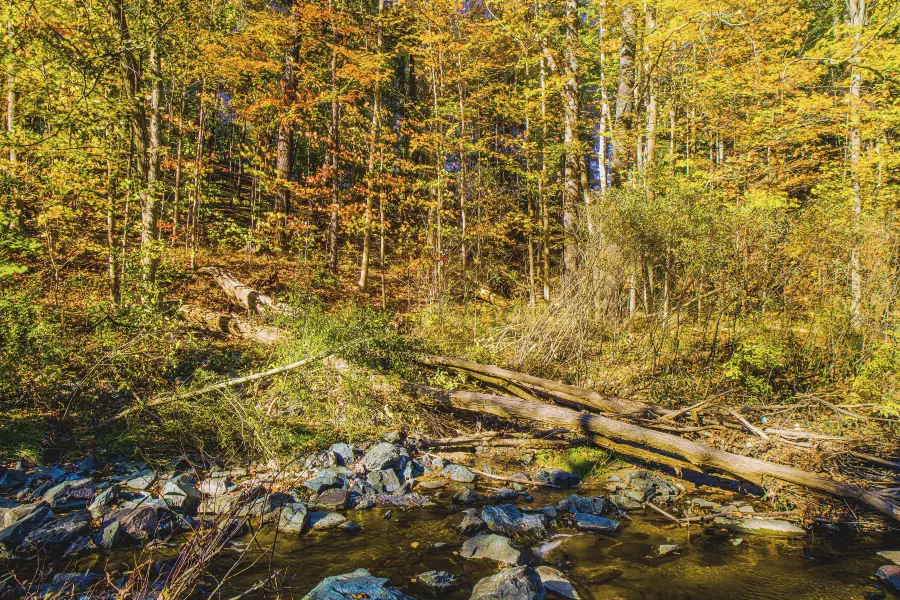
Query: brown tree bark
{"points": [[374, 139], [285, 143], [624, 97], [231, 325]]}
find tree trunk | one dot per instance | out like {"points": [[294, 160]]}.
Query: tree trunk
{"points": [[624, 97], [570, 139], [231, 325], [374, 140], [246, 296], [331, 157], [151, 202], [857, 22], [704, 457], [198, 171], [285, 143], [115, 291]]}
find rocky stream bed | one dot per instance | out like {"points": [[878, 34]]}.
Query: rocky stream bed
{"points": [[389, 520]]}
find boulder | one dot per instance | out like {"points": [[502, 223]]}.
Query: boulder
{"points": [[436, 580], [556, 583], [20, 512], [412, 470], [57, 533], [179, 494], [581, 504], [385, 456], [103, 503], [215, 486], [320, 521], [514, 583], [326, 479], [557, 477], [651, 484], [385, 481], [494, 547], [70, 494], [345, 452], [459, 473], [267, 507], [434, 484], [109, 536], [889, 576], [587, 522], [13, 478], [13, 535], [771, 527], [891, 555], [628, 499], [140, 522], [334, 499], [508, 520], [358, 584], [470, 523], [80, 546], [294, 518], [142, 480]]}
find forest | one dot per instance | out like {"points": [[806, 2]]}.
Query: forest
{"points": [[265, 266]]}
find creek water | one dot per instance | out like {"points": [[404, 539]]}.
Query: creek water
{"points": [[600, 567]]}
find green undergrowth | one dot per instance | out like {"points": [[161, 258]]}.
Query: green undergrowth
{"points": [[585, 461], [21, 435]]}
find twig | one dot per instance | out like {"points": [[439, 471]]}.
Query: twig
{"points": [[852, 415], [875, 460], [747, 424], [514, 480], [803, 434], [256, 586], [701, 518], [697, 406], [663, 513]]}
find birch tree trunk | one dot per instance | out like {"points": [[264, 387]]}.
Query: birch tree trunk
{"points": [[151, 202], [857, 22], [571, 177], [624, 97]]}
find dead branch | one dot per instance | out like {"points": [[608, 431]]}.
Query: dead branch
{"points": [[229, 324], [246, 296]]}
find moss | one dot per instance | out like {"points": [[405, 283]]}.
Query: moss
{"points": [[584, 461]]}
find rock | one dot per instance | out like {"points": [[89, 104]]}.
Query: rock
{"points": [[54, 534], [557, 477], [494, 547], [361, 487], [437, 580], [14, 534], [703, 503], [412, 470], [385, 456], [514, 583], [651, 484], [335, 499], [63, 583], [142, 480], [556, 583], [103, 503], [215, 486], [319, 521], [358, 584], [70, 494], [772, 527], [428, 486], [745, 509], [580, 504], [891, 555], [506, 494], [458, 473], [628, 499], [586, 522], [266, 508], [470, 523], [80, 546], [344, 452], [326, 479], [393, 500], [667, 549], [294, 518], [394, 437], [13, 478], [349, 527], [22, 511], [548, 511], [109, 536], [384, 481], [465, 495], [508, 520], [140, 522], [889, 576], [181, 495], [88, 463]]}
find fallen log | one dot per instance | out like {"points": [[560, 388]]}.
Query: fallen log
{"points": [[244, 295], [571, 393], [749, 469], [208, 320], [216, 386]]}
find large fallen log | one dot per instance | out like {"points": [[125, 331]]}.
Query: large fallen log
{"points": [[254, 301], [571, 393], [704, 457], [209, 320]]}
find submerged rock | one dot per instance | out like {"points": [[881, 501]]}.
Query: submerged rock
{"points": [[628, 499], [772, 527], [667, 549], [494, 547], [509, 520], [891, 555], [437, 580], [557, 477], [889, 576], [556, 583], [514, 583], [465, 495], [358, 584], [470, 523], [586, 522]]}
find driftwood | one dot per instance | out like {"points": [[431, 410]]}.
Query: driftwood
{"points": [[749, 469], [513, 479], [216, 386], [254, 301], [571, 393], [229, 324]]}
